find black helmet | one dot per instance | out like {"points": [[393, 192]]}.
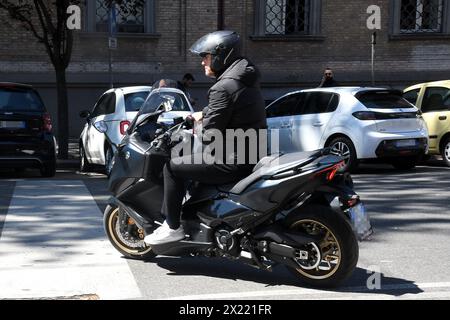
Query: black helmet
{"points": [[224, 46]]}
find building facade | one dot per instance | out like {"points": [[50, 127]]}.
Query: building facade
{"points": [[291, 41]]}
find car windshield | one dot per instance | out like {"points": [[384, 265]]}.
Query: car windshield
{"points": [[156, 98], [20, 99], [135, 100], [383, 100]]}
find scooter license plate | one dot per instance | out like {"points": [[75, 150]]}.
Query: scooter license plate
{"points": [[360, 221]]}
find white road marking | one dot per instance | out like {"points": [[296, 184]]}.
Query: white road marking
{"points": [[345, 293], [53, 245]]}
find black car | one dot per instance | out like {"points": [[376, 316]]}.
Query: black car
{"points": [[26, 138]]}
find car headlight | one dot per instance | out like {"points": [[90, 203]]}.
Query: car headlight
{"points": [[101, 126]]}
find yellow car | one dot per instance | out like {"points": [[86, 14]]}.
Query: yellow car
{"points": [[433, 99]]}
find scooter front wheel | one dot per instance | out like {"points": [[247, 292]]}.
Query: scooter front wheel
{"points": [[125, 235]]}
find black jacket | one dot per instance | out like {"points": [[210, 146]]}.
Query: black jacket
{"points": [[327, 83], [235, 100]]}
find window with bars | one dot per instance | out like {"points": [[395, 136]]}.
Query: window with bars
{"points": [[129, 16], [132, 16], [420, 17], [285, 18]]}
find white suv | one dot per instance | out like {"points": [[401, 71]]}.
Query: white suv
{"points": [[116, 108], [356, 122]]}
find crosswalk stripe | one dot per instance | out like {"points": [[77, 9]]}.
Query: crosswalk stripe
{"points": [[53, 245]]}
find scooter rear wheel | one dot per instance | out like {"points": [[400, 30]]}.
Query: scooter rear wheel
{"points": [[334, 258], [129, 243]]}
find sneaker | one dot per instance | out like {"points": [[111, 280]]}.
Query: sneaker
{"points": [[164, 234], [162, 227]]}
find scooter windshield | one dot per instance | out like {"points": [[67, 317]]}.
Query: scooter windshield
{"points": [[157, 97]]}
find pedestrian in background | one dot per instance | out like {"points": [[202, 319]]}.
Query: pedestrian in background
{"points": [[328, 79], [185, 84]]}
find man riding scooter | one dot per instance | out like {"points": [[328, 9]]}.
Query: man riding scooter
{"points": [[234, 102]]}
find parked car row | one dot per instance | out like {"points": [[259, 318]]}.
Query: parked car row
{"points": [[360, 123]]}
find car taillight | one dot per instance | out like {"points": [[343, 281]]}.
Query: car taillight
{"points": [[124, 125], [47, 123], [370, 115], [364, 115]]}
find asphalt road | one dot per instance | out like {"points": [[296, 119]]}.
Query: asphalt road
{"points": [[406, 257]]}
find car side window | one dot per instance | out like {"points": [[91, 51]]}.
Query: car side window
{"points": [[284, 107], [320, 102], [412, 96], [105, 105], [436, 99], [135, 100]]}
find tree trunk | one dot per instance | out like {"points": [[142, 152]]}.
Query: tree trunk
{"points": [[63, 114]]}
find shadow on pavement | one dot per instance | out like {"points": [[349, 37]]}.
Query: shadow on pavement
{"points": [[280, 276]]}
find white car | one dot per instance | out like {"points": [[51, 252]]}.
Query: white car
{"points": [[116, 108], [122, 106], [359, 123]]}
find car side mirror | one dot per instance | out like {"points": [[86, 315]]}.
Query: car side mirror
{"points": [[85, 114]]}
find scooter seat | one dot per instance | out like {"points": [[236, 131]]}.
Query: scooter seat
{"points": [[270, 165]]}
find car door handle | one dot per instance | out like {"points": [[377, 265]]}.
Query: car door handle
{"points": [[318, 124], [442, 118], [286, 126]]}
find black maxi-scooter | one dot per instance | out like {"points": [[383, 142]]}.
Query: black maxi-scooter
{"points": [[294, 209]]}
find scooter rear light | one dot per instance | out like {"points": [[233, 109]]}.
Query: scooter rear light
{"points": [[331, 171], [331, 174], [124, 125]]}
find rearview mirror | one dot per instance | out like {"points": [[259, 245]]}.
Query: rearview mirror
{"points": [[164, 107], [167, 104], [167, 108]]}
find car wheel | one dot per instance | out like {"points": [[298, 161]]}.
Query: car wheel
{"points": [[49, 169], [109, 155], [84, 164], [405, 163], [446, 151], [343, 147]]}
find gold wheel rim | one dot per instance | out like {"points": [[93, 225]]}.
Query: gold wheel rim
{"points": [[112, 221], [330, 250]]}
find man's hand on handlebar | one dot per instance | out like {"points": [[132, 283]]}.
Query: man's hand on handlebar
{"points": [[192, 118], [198, 116]]}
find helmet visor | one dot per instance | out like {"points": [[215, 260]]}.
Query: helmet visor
{"points": [[202, 46]]}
